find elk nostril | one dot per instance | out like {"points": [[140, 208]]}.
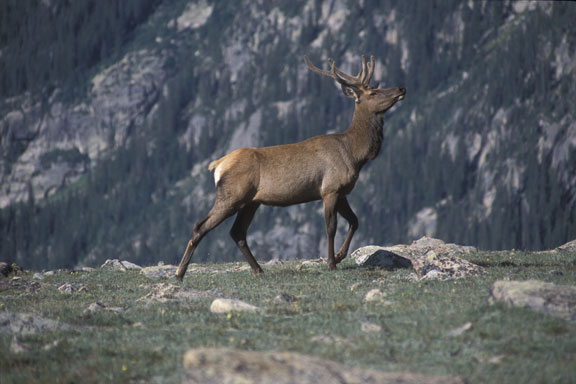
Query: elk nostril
{"points": [[403, 90]]}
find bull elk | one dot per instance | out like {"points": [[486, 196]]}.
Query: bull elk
{"points": [[323, 168]]}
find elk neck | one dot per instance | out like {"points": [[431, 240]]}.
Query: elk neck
{"points": [[365, 136]]}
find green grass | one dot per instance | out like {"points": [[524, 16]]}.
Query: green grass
{"points": [[146, 343]]}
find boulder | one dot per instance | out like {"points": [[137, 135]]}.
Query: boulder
{"points": [[430, 258], [386, 257], [231, 305], [217, 366], [557, 300]]}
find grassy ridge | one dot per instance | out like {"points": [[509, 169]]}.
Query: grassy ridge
{"points": [[145, 343]]}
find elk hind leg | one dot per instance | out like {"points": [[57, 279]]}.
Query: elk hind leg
{"points": [[239, 231], [217, 214]]}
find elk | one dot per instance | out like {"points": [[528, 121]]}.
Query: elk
{"points": [[324, 167]]}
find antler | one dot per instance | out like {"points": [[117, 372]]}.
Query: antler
{"points": [[360, 81]]}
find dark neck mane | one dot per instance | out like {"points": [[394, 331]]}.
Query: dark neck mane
{"points": [[364, 136]]}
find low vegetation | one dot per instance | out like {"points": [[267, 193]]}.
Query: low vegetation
{"points": [[431, 327]]}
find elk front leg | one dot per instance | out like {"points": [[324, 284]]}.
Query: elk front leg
{"points": [[344, 209], [330, 202]]}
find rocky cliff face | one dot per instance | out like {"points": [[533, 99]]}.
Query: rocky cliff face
{"points": [[481, 151]]}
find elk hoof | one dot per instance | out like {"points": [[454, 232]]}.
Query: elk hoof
{"points": [[339, 257], [257, 271]]}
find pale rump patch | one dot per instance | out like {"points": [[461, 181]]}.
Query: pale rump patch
{"points": [[217, 174]]}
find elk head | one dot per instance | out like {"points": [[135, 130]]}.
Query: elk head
{"points": [[369, 98]]}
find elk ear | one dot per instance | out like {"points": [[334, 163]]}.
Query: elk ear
{"points": [[351, 92]]}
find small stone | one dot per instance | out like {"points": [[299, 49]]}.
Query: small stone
{"points": [[164, 292], [94, 307], [38, 276], [283, 298], [49, 273], [311, 263], [119, 265], [355, 286], [157, 272], [273, 263], [370, 327], [374, 295], [52, 345], [230, 305], [114, 264], [460, 330], [71, 288]]}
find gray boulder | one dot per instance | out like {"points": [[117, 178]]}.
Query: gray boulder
{"points": [[430, 258], [218, 366], [557, 300]]}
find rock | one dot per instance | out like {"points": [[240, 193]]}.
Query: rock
{"points": [[97, 307], [568, 247], [94, 307], [312, 263], [160, 271], [374, 295], [71, 288], [430, 258], [38, 276], [27, 324], [557, 300], [374, 256], [368, 327], [273, 263], [230, 305], [119, 265], [460, 330], [283, 298], [332, 340], [5, 269], [164, 292], [216, 366]]}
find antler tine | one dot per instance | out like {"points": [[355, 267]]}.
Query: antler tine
{"points": [[319, 71], [366, 81], [344, 78]]}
